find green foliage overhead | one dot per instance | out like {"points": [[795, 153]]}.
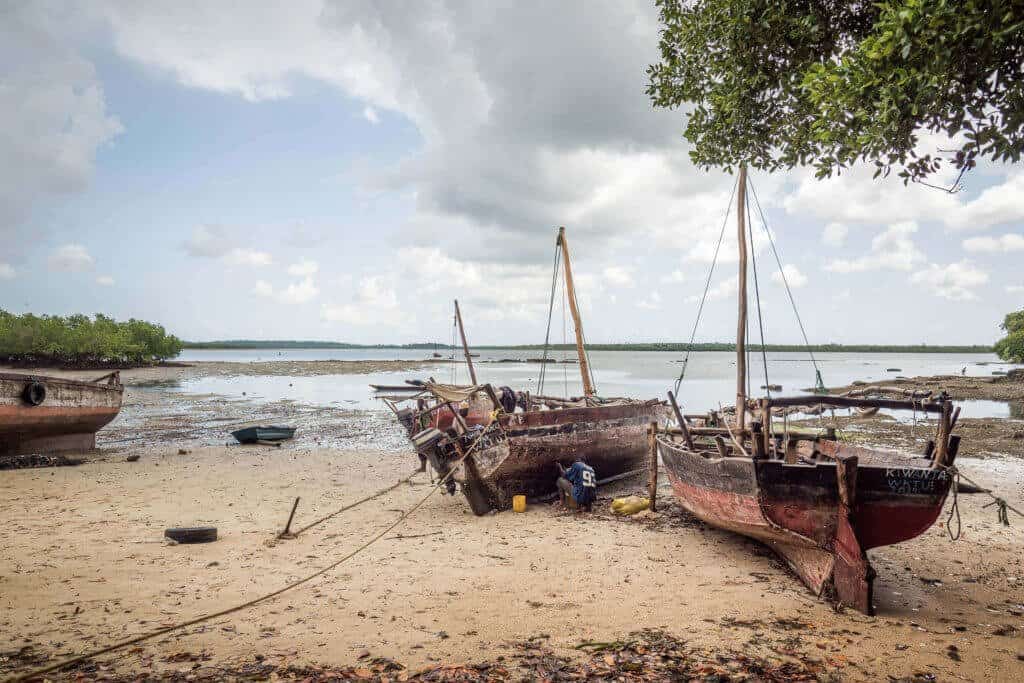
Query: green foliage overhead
{"points": [[1011, 347], [780, 83], [80, 340]]}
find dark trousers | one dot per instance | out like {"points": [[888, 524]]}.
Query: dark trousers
{"points": [[565, 493]]}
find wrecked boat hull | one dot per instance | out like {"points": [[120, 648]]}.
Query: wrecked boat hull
{"points": [[522, 460], [798, 510], [66, 419]]}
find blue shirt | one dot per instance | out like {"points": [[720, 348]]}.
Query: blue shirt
{"points": [[584, 482]]}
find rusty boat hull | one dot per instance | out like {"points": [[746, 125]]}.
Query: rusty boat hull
{"points": [[798, 509], [520, 458], [66, 418]]}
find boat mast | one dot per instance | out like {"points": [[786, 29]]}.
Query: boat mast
{"points": [[588, 388], [465, 346], [741, 324]]}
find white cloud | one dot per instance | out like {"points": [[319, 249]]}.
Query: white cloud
{"points": [[651, 302], [303, 268], [1007, 242], [247, 257], [210, 241], [70, 258], [792, 275], [890, 250], [370, 114], [7, 271], [618, 276], [994, 206], [105, 280], [723, 290], [299, 292], [303, 291], [1015, 289], [374, 302], [52, 111], [835, 234], [954, 281], [675, 277]]}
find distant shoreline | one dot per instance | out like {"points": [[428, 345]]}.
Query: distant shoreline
{"points": [[242, 345]]}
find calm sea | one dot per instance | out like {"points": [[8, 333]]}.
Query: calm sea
{"points": [[709, 380]]}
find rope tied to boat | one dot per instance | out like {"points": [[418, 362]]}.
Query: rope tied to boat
{"points": [[1002, 507], [255, 601]]}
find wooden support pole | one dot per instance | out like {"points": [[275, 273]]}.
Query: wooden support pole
{"points": [[681, 420], [942, 439], [652, 465], [465, 345], [766, 427], [288, 527], [581, 351]]}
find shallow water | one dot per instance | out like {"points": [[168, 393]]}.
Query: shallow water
{"points": [[709, 381]]}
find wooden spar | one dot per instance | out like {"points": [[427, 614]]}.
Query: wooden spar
{"points": [[588, 388], [741, 324], [465, 346], [847, 402], [681, 420]]}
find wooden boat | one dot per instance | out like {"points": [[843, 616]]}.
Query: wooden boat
{"points": [[52, 415], [819, 503], [516, 453], [263, 433]]}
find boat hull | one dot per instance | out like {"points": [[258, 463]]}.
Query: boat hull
{"points": [[611, 439], [798, 510], [66, 420]]}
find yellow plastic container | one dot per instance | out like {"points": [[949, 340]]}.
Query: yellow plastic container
{"points": [[518, 503]]}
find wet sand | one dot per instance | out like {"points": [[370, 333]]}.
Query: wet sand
{"points": [[82, 563]]}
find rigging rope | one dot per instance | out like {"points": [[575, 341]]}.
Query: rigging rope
{"points": [[367, 499], [547, 333], [263, 598], [1002, 507], [707, 287], [757, 297], [819, 384]]}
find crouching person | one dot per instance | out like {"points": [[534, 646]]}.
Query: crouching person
{"points": [[577, 487]]}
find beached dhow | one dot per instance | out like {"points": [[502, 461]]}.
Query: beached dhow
{"points": [[818, 502], [52, 415], [504, 443]]}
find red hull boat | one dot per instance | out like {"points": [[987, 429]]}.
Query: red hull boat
{"points": [[821, 509], [819, 503]]}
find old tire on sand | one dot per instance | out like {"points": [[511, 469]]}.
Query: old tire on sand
{"points": [[192, 534]]}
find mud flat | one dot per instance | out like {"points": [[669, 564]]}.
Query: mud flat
{"points": [[997, 388]]}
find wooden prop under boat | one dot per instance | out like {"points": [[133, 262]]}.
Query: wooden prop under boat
{"points": [[817, 502], [41, 414]]}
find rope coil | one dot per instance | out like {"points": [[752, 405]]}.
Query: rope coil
{"points": [[1002, 507]]}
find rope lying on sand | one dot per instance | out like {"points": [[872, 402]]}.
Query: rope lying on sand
{"points": [[263, 598], [323, 519]]}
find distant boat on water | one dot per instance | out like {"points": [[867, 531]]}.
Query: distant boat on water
{"points": [[40, 414]]}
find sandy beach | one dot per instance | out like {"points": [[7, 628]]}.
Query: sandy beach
{"points": [[83, 564]]}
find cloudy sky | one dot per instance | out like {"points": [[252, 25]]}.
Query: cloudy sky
{"points": [[342, 170]]}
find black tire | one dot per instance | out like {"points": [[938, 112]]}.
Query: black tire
{"points": [[34, 393], [192, 534]]}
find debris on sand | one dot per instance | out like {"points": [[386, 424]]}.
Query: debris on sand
{"points": [[647, 655], [19, 462]]}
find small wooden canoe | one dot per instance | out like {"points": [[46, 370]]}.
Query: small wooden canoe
{"points": [[263, 433]]}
